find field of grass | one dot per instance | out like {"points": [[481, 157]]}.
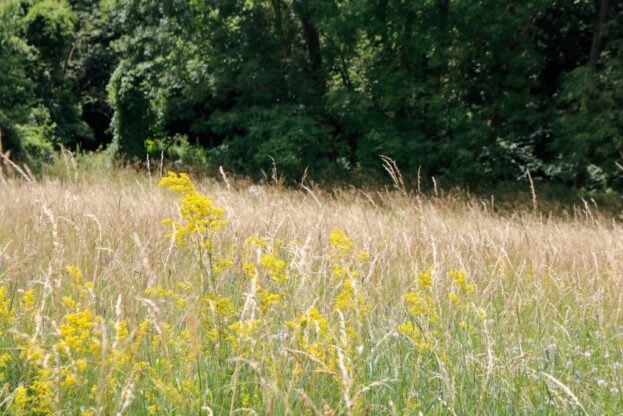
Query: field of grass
{"points": [[273, 301]]}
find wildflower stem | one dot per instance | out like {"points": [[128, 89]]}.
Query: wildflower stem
{"points": [[212, 277]]}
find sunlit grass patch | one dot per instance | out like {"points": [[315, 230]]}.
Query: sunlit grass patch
{"points": [[268, 302]]}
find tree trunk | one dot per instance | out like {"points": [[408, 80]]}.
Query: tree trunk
{"points": [[598, 36], [279, 27], [312, 38]]}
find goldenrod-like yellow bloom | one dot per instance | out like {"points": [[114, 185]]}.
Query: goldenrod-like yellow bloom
{"points": [[200, 217], [344, 300], [363, 256], [122, 331], [460, 281], [74, 272], [340, 243], [422, 341], [177, 183], [421, 304], [348, 300], [42, 394], [6, 316], [4, 358], [68, 302], [78, 334], [70, 380], [28, 299], [20, 399], [454, 298], [241, 331], [221, 264], [81, 365], [267, 299], [425, 279], [220, 305], [249, 270], [275, 265]]}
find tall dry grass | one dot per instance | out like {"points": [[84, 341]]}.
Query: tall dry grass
{"points": [[541, 334]]}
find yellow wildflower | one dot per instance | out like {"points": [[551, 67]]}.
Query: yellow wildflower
{"points": [[29, 299], [363, 256], [314, 316], [77, 333], [425, 279], [121, 330], [68, 302], [339, 271], [249, 270], [70, 380], [348, 300], [276, 267], [267, 299], [74, 272], [175, 183], [5, 313], [454, 298], [421, 340], [81, 365], [200, 217], [20, 398], [221, 264], [4, 358], [220, 305], [460, 281], [43, 396], [340, 243]]}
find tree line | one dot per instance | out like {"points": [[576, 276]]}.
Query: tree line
{"points": [[470, 90]]}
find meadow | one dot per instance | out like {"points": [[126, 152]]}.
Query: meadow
{"points": [[213, 297]]}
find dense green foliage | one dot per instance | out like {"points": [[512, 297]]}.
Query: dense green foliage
{"points": [[468, 90]]}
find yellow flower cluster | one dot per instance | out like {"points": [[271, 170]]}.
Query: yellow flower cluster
{"points": [[6, 315], [201, 219], [424, 327], [79, 333], [267, 254], [160, 293], [75, 360], [311, 335], [340, 243], [424, 312], [459, 280], [29, 300], [4, 359], [348, 300], [344, 257], [423, 340]]}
